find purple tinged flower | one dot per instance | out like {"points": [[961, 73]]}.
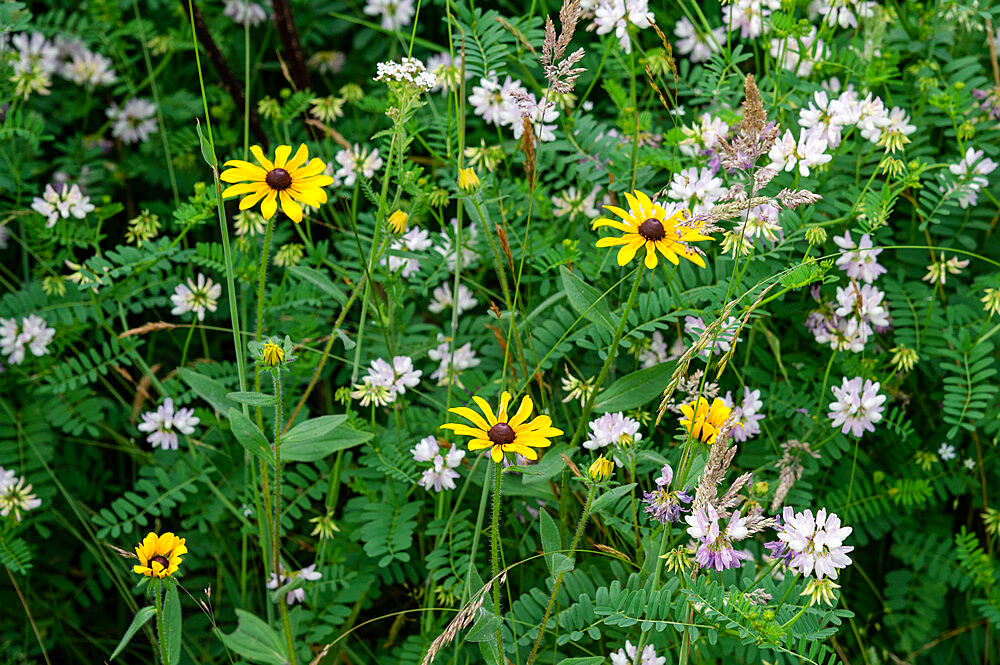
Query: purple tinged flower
{"points": [[815, 543], [858, 407], [164, 424], [859, 261], [716, 538], [746, 416], [298, 595], [662, 504], [612, 429]]}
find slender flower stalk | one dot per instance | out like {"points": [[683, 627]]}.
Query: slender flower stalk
{"points": [[559, 578], [495, 549], [606, 368]]}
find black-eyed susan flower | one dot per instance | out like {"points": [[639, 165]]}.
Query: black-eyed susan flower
{"points": [[502, 433], [159, 556], [647, 224], [397, 221], [288, 181], [704, 421]]}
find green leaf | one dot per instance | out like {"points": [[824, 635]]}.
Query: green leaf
{"points": [[587, 301], [551, 543], [255, 640], [249, 435], [609, 498], [208, 389], [582, 660], [320, 279], [318, 437], [172, 624], [138, 621], [547, 467], [252, 398], [635, 389], [485, 628], [207, 153]]}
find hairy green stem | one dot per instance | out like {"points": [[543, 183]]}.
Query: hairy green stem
{"points": [[555, 587], [158, 602], [495, 550]]}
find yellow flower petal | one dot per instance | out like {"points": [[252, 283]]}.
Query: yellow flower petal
{"points": [[270, 204], [496, 454], [258, 154], [314, 167], [300, 158], [291, 208], [251, 201], [243, 174], [241, 189], [650, 255], [502, 411], [485, 407], [624, 215], [477, 419], [523, 412], [627, 252], [281, 154]]}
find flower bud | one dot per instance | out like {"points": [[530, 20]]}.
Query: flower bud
{"points": [[601, 469]]}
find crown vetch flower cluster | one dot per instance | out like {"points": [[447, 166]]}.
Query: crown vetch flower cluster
{"points": [[812, 544], [31, 334], [441, 475], [164, 424], [858, 407], [663, 504]]}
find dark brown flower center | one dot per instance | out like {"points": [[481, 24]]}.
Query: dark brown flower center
{"points": [[162, 560], [651, 229], [278, 179], [501, 434]]}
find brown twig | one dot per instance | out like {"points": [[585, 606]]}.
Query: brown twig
{"points": [[229, 81], [285, 23]]}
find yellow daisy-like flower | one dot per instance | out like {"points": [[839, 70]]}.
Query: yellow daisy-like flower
{"points": [[646, 223], [290, 181], [159, 556], [704, 421], [503, 434], [272, 353], [397, 221]]}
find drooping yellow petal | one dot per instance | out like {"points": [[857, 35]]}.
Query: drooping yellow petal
{"points": [[667, 250], [480, 444], [313, 181], [464, 430], [612, 241], [638, 214], [496, 454], [602, 221], [627, 253], [650, 255], [291, 208], [646, 205], [258, 154], [249, 172], [621, 213], [250, 201], [521, 450], [270, 204], [311, 196]]}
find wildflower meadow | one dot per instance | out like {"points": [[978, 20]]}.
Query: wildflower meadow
{"points": [[555, 332]]}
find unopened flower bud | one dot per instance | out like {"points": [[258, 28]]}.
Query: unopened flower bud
{"points": [[601, 469]]}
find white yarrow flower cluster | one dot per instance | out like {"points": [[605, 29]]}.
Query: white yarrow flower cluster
{"points": [[163, 424], [407, 70], [441, 475], [32, 334], [61, 201], [197, 297]]}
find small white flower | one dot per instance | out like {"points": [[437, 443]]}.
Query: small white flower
{"points": [[695, 44], [426, 449], [245, 13], [355, 162], [394, 14], [860, 260], [196, 297], [946, 452], [443, 300], [90, 69], [134, 122], [969, 463], [449, 367], [438, 477], [62, 201], [309, 573], [164, 424]]}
